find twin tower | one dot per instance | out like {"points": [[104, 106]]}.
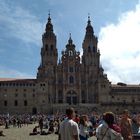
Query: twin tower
{"points": [[73, 80]]}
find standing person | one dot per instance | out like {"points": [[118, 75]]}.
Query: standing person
{"points": [[135, 125], [93, 119], [77, 119], [6, 123], [126, 126], [68, 128], [108, 130], [138, 121], [83, 126], [41, 124]]}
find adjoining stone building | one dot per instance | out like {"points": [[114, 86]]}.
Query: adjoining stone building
{"points": [[74, 81]]}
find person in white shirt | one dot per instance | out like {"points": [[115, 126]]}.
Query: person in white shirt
{"points": [[83, 126], [108, 130], [68, 128]]}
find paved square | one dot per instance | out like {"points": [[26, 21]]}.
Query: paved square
{"points": [[23, 134]]}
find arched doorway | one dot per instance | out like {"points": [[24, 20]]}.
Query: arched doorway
{"points": [[34, 110], [71, 97]]}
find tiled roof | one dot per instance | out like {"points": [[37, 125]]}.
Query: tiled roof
{"points": [[15, 80], [130, 85]]}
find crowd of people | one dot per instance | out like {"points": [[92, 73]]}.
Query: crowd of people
{"points": [[75, 126], [42, 122], [107, 126]]}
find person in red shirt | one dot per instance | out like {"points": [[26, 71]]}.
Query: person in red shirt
{"points": [[77, 119]]}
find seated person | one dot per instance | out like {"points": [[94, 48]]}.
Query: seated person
{"points": [[1, 133], [44, 133], [51, 127], [35, 132]]}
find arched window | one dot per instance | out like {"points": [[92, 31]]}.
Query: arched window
{"points": [[70, 53], [70, 69], [25, 103], [5, 103], [89, 49], [34, 110], [51, 47], [46, 47], [71, 80], [16, 103], [60, 96], [83, 96], [94, 50]]}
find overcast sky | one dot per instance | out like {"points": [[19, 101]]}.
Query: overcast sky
{"points": [[116, 23]]}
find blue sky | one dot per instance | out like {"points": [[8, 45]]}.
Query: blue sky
{"points": [[116, 23]]}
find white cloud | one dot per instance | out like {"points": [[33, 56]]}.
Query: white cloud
{"points": [[120, 48], [20, 23]]}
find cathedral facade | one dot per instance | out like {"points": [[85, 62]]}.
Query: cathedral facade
{"points": [[73, 81]]}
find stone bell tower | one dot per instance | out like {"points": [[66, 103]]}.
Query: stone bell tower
{"points": [[49, 53], [46, 75], [90, 49], [90, 64]]}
